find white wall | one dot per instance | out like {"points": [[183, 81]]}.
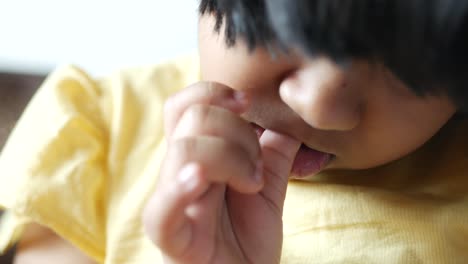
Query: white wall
{"points": [[98, 35]]}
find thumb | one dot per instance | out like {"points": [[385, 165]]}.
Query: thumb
{"points": [[278, 153]]}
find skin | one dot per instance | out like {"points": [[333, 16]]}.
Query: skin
{"points": [[208, 206], [40, 245], [363, 115]]}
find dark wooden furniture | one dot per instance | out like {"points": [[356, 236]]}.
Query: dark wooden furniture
{"points": [[15, 92]]}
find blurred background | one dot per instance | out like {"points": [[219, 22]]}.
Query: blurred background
{"points": [[97, 35], [100, 36]]}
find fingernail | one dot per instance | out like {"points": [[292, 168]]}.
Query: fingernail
{"points": [[188, 176], [238, 101], [241, 97], [258, 176]]}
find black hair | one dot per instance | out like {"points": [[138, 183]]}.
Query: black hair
{"points": [[423, 42]]}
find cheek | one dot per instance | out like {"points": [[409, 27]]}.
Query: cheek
{"points": [[397, 128], [236, 66], [427, 120]]}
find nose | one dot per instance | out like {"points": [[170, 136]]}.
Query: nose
{"points": [[318, 92]]}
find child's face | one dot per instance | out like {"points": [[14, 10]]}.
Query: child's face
{"points": [[362, 115]]}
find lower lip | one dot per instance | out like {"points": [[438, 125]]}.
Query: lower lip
{"points": [[308, 162]]}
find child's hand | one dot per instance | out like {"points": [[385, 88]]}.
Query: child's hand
{"points": [[221, 190]]}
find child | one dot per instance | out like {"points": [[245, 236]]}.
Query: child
{"points": [[341, 95]]}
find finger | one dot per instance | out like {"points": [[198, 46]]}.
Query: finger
{"points": [[278, 152], [218, 122], [205, 214], [208, 93], [164, 217], [222, 162]]}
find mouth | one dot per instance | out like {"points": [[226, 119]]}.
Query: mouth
{"points": [[308, 161]]}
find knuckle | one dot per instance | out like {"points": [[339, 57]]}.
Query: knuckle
{"points": [[239, 156], [160, 239], [157, 234], [186, 145], [197, 115], [235, 149], [181, 149], [203, 90], [215, 91], [249, 151], [155, 227], [168, 105], [211, 91]]}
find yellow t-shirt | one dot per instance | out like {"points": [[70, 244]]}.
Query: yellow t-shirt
{"points": [[84, 158]]}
